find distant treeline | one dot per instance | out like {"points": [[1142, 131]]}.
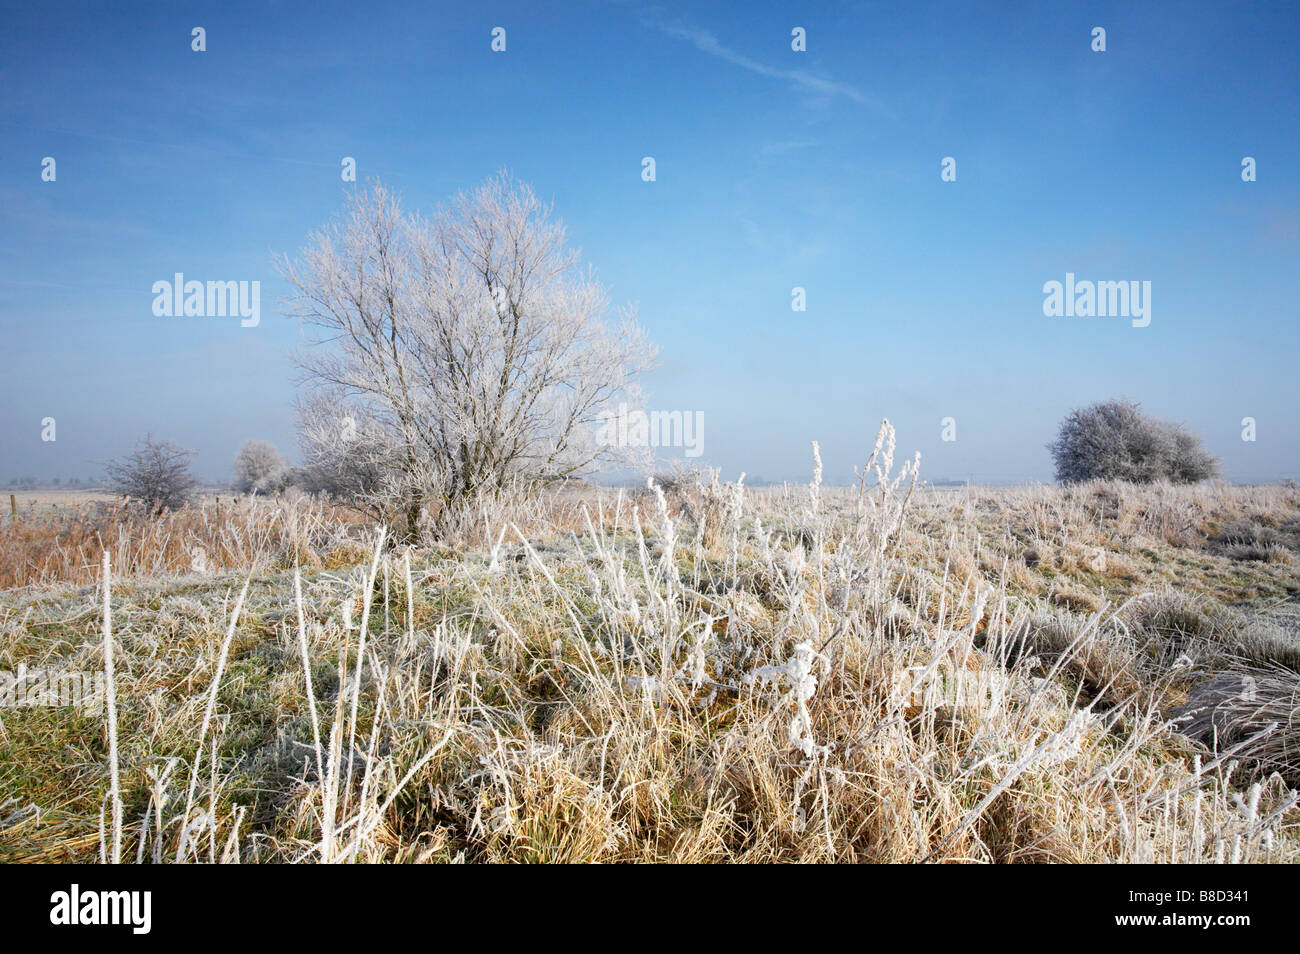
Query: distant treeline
{"points": [[55, 483]]}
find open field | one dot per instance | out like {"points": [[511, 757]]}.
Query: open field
{"points": [[706, 674], [44, 499]]}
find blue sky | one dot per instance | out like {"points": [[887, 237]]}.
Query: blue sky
{"points": [[775, 169]]}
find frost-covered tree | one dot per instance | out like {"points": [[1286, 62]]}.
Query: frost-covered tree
{"points": [[1115, 440], [456, 354], [260, 468], [155, 474]]}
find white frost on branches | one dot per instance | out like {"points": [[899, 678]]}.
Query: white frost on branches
{"points": [[799, 673], [458, 353]]}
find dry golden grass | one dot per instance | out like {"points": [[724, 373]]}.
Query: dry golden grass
{"points": [[60, 541], [796, 674]]}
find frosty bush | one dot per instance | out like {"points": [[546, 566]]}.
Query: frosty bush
{"points": [[156, 474], [348, 456], [260, 468], [1115, 440]]}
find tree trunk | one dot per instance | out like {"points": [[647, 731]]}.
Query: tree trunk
{"points": [[413, 516]]}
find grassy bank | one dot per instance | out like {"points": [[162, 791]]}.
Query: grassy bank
{"points": [[705, 674]]}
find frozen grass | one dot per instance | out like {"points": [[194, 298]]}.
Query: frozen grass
{"points": [[65, 544], [879, 673]]}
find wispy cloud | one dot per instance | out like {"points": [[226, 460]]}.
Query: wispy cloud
{"points": [[789, 145], [706, 42]]}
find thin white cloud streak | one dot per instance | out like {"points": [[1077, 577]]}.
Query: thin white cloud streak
{"points": [[777, 148], [706, 42]]}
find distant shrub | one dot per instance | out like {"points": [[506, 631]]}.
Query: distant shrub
{"points": [[260, 468], [1115, 440], [156, 474]]}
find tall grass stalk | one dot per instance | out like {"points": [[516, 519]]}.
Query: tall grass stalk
{"points": [[110, 690]]}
